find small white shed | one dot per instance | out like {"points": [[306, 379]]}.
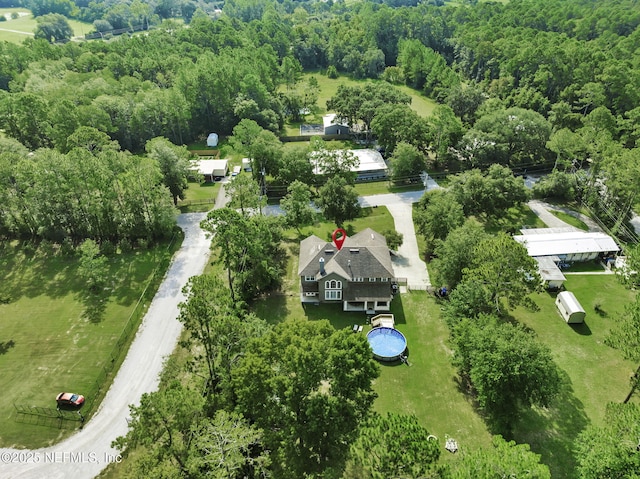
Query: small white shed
{"points": [[569, 307], [212, 139], [246, 164]]}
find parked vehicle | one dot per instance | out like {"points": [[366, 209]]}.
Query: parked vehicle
{"points": [[70, 399]]}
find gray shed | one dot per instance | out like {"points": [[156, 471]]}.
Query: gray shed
{"points": [[569, 307]]}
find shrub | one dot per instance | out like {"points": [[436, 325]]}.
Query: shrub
{"points": [[332, 72]]}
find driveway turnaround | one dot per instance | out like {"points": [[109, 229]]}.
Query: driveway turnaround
{"points": [[406, 262], [86, 453]]}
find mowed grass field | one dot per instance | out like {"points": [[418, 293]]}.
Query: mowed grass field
{"points": [[55, 335], [595, 374], [18, 29]]}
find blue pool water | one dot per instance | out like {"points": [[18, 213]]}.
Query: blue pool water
{"points": [[387, 343]]}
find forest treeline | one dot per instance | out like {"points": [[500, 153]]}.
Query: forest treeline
{"points": [[529, 82]]}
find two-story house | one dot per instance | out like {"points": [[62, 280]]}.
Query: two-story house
{"points": [[359, 275]]}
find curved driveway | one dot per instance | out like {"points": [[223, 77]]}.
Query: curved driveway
{"points": [[89, 451]]}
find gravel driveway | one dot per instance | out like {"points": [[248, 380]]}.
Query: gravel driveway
{"points": [[86, 453]]}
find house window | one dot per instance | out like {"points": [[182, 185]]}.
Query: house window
{"points": [[309, 278], [358, 280], [311, 294], [384, 280], [330, 294], [372, 280], [383, 304], [333, 290]]}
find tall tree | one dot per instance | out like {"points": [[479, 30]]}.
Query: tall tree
{"points": [[611, 451], [395, 445], [505, 269], [333, 163], [53, 27], [244, 193], [297, 205], [490, 194], [308, 386], [437, 215], [625, 336], [218, 331], [503, 459], [508, 367], [174, 164], [253, 266], [406, 163], [338, 201], [456, 253], [295, 165]]}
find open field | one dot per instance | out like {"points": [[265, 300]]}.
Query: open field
{"points": [[57, 336], [595, 373], [16, 30]]}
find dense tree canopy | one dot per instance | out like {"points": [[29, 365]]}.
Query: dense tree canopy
{"points": [[395, 445], [611, 450], [503, 459], [507, 366], [307, 386], [253, 267]]}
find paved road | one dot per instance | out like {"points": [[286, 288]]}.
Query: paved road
{"points": [[85, 454], [407, 262]]}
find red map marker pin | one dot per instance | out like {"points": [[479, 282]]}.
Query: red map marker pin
{"points": [[339, 240]]}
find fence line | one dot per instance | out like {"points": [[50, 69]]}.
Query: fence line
{"points": [[60, 414], [204, 201], [132, 323]]}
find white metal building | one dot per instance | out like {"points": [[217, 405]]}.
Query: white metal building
{"points": [[567, 244], [371, 165], [551, 276], [212, 169]]}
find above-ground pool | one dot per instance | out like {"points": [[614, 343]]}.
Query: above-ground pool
{"points": [[387, 343]]}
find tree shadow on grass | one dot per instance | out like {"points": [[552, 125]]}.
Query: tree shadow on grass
{"points": [[27, 271], [397, 309], [552, 432], [95, 305], [5, 346], [272, 308]]}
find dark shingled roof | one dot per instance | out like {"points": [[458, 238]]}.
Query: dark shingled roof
{"points": [[363, 255]]}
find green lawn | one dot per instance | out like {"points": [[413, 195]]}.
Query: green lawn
{"points": [[26, 24], [199, 197], [56, 336], [595, 374], [428, 388], [567, 218]]}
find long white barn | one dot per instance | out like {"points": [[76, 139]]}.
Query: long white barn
{"points": [[567, 244]]}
